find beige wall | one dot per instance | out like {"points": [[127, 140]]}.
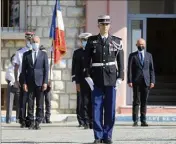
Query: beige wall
{"points": [[118, 13]]}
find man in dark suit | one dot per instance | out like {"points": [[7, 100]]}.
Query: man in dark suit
{"points": [[141, 77], [102, 53], [35, 73]]}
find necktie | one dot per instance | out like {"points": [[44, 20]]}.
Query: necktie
{"points": [[141, 58], [35, 56], [104, 40]]}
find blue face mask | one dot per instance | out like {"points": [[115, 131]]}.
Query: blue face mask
{"points": [[35, 46], [84, 44]]}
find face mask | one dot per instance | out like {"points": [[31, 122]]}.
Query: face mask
{"points": [[84, 44], [28, 44], [35, 46], [140, 48]]}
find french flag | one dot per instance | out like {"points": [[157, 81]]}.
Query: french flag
{"points": [[57, 33]]}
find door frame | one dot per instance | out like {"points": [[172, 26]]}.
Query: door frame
{"points": [[144, 18]]}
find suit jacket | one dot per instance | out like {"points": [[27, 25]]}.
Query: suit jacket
{"points": [[97, 51], [35, 72], [136, 70]]}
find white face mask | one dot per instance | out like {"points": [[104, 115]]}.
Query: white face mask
{"points": [[84, 44], [35, 46], [28, 44]]}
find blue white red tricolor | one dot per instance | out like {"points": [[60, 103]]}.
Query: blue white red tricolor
{"points": [[57, 33]]}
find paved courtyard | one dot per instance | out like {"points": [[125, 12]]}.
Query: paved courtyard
{"points": [[60, 133]]}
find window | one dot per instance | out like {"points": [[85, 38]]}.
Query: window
{"points": [[13, 15], [152, 7]]}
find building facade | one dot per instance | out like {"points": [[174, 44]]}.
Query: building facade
{"points": [[154, 21]]}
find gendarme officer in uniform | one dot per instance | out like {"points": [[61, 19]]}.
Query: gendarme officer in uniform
{"points": [[101, 54], [84, 104]]}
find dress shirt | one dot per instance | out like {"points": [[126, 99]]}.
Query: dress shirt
{"points": [[10, 75], [33, 53]]}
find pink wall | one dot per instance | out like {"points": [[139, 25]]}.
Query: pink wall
{"points": [[93, 10], [118, 13]]}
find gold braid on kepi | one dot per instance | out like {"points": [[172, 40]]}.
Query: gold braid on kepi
{"points": [[29, 35]]}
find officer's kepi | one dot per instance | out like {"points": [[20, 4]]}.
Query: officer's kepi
{"points": [[105, 19], [29, 35], [84, 35]]}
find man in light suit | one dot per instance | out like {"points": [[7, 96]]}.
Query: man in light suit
{"points": [[35, 73], [141, 77]]}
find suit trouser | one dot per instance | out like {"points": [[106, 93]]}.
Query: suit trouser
{"points": [[86, 102], [35, 92], [47, 100], [11, 93], [140, 96], [103, 98], [23, 101], [79, 109]]}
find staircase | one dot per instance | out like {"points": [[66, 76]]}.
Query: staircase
{"points": [[164, 93]]}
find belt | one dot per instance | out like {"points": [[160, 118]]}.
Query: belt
{"points": [[103, 64]]}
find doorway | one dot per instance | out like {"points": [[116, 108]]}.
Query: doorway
{"points": [[161, 36], [159, 31]]}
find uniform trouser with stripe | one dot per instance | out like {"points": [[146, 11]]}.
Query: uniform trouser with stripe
{"points": [[11, 94], [103, 99]]}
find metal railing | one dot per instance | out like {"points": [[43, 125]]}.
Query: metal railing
{"points": [[14, 15]]}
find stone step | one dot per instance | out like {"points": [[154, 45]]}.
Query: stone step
{"points": [[161, 85], [170, 79], [163, 92], [150, 109], [163, 98]]}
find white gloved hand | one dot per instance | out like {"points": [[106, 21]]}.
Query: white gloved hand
{"points": [[118, 81], [11, 83], [90, 82]]}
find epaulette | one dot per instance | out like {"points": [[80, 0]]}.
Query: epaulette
{"points": [[117, 37], [117, 42], [19, 49]]}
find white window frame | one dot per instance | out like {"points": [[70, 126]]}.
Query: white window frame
{"points": [[18, 32]]}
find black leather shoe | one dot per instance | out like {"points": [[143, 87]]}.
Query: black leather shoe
{"points": [[144, 124], [80, 125], [91, 126], [108, 141], [23, 124], [86, 126], [135, 124], [97, 141], [27, 123], [37, 127], [43, 121], [48, 121], [31, 126]]}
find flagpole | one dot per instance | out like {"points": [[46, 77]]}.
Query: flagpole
{"points": [[51, 61]]}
